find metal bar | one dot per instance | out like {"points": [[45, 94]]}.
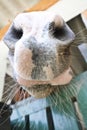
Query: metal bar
{"points": [[50, 119], [27, 122]]}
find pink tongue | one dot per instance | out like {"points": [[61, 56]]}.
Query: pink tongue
{"points": [[64, 78]]}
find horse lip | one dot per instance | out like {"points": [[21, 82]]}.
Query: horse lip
{"points": [[41, 87], [62, 79]]}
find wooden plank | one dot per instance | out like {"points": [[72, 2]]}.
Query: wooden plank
{"points": [[84, 17], [42, 5], [3, 31], [79, 115], [83, 50], [18, 124], [69, 9], [82, 100], [85, 13], [3, 64], [9, 70], [38, 121], [78, 63], [28, 106], [63, 121]]}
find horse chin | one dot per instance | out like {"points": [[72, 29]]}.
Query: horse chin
{"points": [[41, 91]]}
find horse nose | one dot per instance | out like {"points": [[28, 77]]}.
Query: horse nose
{"points": [[60, 30], [30, 42]]}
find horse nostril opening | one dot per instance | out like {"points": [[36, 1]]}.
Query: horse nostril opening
{"points": [[63, 33], [12, 36], [59, 33], [16, 33]]}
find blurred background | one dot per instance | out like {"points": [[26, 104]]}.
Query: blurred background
{"points": [[10, 8]]}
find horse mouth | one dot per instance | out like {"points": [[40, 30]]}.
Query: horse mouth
{"points": [[41, 89], [37, 89]]}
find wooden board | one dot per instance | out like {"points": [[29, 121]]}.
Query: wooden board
{"points": [[3, 67]]}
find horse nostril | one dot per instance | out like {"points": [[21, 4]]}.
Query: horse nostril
{"points": [[12, 36], [63, 33]]}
